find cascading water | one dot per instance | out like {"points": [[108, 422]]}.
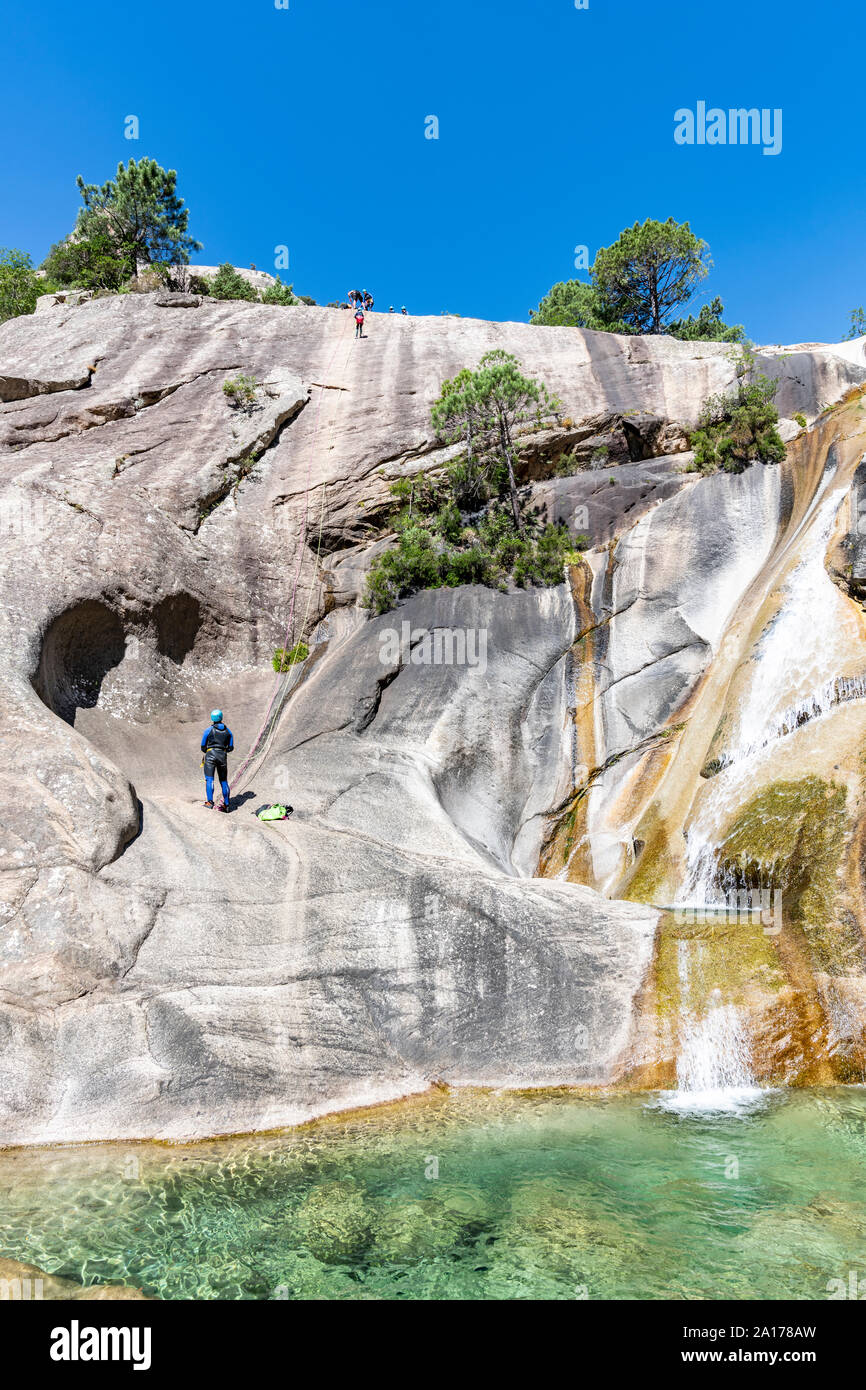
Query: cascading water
{"points": [[713, 1056], [837, 691], [794, 654], [789, 687], [714, 1053]]}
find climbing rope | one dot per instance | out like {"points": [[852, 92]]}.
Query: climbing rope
{"points": [[282, 689]]}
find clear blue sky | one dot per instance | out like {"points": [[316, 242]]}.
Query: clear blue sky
{"points": [[305, 127]]}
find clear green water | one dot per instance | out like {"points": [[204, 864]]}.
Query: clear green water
{"points": [[537, 1196]]}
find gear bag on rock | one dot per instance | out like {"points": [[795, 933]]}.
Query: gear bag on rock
{"points": [[274, 812]]}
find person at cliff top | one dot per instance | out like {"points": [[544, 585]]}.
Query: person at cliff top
{"points": [[216, 744], [368, 300], [359, 322], [404, 310]]}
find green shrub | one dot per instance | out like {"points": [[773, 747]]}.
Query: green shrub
{"points": [[20, 287], [468, 524], [240, 391], [284, 661], [858, 323], [569, 464], [800, 419], [708, 327], [90, 263], [279, 293], [440, 551], [228, 284], [738, 427]]}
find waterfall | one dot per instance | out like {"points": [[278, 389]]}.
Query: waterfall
{"points": [[837, 691], [789, 687], [714, 1050], [790, 684], [714, 1070], [713, 1065]]}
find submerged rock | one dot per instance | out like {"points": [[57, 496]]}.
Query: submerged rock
{"points": [[23, 1282], [334, 1222], [412, 1231]]}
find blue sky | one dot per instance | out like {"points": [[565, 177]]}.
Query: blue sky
{"points": [[305, 127]]}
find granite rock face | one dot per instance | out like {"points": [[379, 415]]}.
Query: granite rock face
{"points": [[168, 971]]}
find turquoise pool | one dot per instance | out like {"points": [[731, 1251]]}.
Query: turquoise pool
{"points": [[467, 1196]]}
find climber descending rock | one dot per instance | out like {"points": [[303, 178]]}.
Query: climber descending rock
{"points": [[216, 744]]}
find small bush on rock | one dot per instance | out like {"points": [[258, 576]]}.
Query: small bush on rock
{"points": [[90, 263], [284, 661], [228, 284], [279, 293], [240, 391], [470, 524], [738, 427]]}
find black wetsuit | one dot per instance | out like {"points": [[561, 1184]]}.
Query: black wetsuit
{"points": [[217, 743]]}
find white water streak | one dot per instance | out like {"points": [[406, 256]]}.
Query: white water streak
{"points": [[789, 687]]}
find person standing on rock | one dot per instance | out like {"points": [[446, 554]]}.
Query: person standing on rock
{"points": [[359, 322], [216, 744]]}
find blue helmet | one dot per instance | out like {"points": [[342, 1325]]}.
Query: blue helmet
{"points": [[216, 716]]}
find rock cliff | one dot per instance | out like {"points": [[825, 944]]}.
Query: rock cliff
{"points": [[169, 972]]}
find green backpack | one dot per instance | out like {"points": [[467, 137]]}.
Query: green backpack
{"points": [[275, 812]]}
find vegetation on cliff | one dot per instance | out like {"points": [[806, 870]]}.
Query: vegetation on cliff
{"points": [[19, 284], [283, 660], [228, 283], [128, 223], [858, 323], [469, 525], [131, 233], [739, 427], [638, 284]]}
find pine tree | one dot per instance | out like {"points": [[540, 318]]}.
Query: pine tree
{"points": [[481, 409], [649, 272], [142, 213]]}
